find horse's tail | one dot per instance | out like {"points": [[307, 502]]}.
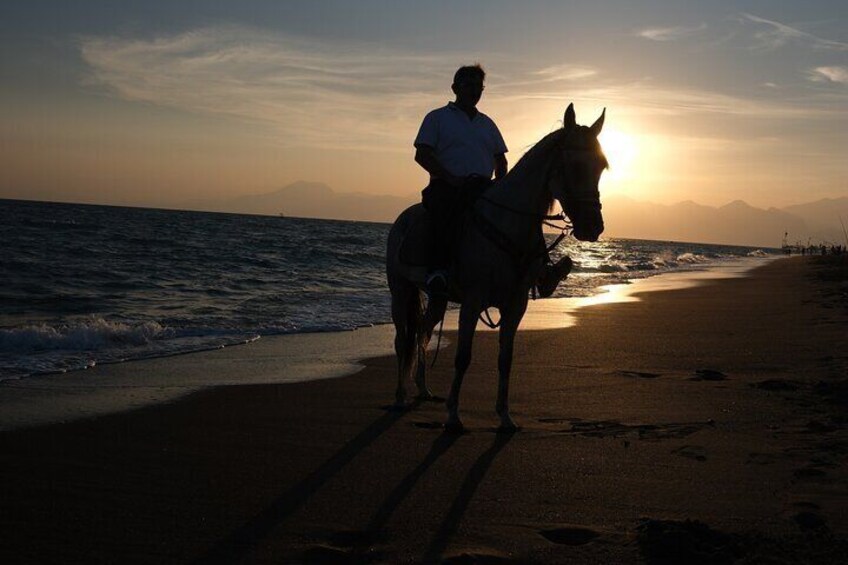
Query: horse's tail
{"points": [[407, 304]]}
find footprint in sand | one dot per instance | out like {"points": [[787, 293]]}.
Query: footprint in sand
{"points": [[708, 375], [570, 535]]}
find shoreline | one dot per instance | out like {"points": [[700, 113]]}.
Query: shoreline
{"points": [[115, 387], [706, 421]]}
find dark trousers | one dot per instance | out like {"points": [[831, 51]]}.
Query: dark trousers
{"points": [[447, 207]]}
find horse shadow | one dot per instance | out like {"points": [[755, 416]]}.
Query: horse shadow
{"points": [[239, 543], [475, 476]]}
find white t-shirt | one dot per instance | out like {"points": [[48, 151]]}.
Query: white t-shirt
{"points": [[463, 146]]}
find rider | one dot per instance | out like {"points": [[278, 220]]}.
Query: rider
{"points": [[461, 148]]}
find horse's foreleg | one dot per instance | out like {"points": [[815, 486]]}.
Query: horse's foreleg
{"points": [[467, 324], [510, 318], [435, 312]]}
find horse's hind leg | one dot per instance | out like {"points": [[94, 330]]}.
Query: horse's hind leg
{"points": [[435, 312], [406, 313]]}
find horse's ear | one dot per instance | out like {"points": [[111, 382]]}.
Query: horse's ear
{"points": [[599, 124], [569, 121]]}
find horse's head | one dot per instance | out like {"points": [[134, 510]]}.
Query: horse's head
{"points": [[575, 172]]}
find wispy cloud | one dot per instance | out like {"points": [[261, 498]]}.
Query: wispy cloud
{"points": [[313, 93], [829, 74], [670, 33], [565, 72], [316, 94], [776, 34]]}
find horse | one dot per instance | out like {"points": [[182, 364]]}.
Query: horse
{"points": [[497, 257]]}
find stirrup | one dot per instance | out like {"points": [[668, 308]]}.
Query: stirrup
{"points": [[436, 283]]}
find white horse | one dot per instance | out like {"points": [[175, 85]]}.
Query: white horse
{"points": [[498, 257]]}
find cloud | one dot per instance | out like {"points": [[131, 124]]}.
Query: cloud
{"points": [[830, 74], [777, 35], [565, 72], [310, 92], [670, 33], [658, 99]]}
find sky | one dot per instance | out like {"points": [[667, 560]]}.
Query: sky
{"points": [[162, 103]]}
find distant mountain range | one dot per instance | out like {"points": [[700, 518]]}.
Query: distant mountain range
{"points": [[304, 199], [736, 223]]}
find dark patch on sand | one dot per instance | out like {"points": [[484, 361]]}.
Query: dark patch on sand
{"points": [[478, 558], [354, 538], [429, 425], [836, 391], [326, 555], [809, 521], [809, 473], [708, 375], [638, 374], [777, 385], [817, 427], [616, 429], [763, 458], [668, 542], [570, 535]]}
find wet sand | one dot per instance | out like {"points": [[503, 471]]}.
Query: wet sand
{"points": [[701, 425]]}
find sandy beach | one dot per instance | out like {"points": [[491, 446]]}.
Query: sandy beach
{"points": [[699, 425]]}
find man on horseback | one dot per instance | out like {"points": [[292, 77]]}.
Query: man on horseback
{"points": [[461, 148]]}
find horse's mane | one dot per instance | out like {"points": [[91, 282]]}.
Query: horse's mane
{"points": [[578, 138]]}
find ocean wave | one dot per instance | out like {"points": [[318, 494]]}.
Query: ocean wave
{"points": [[88, 334]]}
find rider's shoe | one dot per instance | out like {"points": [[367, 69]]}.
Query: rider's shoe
{"points": [[552, 275], [436, 283]]}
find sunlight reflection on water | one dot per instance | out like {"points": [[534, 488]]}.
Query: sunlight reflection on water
{"points": [[551, 313]]}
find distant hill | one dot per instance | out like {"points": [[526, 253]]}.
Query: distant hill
{"points": [[736, 223], [822, 217], [315, 200]]}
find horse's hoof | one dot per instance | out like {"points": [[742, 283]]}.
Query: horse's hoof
{"points": [[454, 427]]}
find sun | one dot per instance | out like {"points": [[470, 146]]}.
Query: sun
{"points": [[621, 150]]}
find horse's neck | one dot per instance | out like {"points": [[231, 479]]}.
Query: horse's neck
{"points": [[519, 197]]}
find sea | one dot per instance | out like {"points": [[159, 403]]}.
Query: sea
{"points": [[84, 285]]}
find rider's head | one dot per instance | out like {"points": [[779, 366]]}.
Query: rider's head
{"points": [[468, 84]]}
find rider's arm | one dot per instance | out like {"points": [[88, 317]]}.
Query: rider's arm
{"points": [[426, 157], [500, 165]]}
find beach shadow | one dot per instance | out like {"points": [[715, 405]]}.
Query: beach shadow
{"points": [[243, 540], [402, 490], [469, 486]]}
